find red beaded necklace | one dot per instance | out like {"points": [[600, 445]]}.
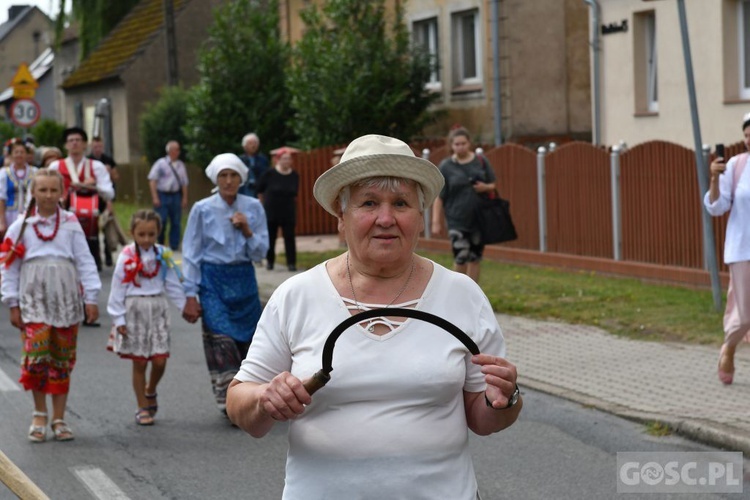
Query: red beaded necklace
{"points": [[54, 233], [143, 272]]}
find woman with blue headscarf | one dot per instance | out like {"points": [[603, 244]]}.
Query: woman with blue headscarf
{"points": [[225, 233]]}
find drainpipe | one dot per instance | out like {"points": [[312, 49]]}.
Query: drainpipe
{"points": [[497, 118], [595, 12]]}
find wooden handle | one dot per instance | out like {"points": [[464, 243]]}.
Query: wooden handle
{"points": [[316, 382], [18, 482]]}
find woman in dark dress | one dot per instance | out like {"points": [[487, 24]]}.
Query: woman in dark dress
{"points": [[277, 189]]}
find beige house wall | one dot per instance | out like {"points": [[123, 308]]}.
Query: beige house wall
{"points": [[18, 46], [544, 69], [712, 27]]}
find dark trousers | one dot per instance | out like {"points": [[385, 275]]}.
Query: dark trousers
{"points": [[290, 246], [170, 211], [107, 253], [95, 250]]}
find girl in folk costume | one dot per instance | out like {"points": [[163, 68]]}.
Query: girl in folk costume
{"points": [[144, 274], [45, 264], [14, 184]]}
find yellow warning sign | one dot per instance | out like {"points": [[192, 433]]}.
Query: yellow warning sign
{"points": [[23, 83]]}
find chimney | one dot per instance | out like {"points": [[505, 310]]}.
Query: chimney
{"points": [[15, 10]]}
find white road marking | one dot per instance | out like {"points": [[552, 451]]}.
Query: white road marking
{"points": [[7, 384], [98, 483]]}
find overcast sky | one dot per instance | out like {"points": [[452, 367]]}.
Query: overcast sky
{"points": [[49, 7]]}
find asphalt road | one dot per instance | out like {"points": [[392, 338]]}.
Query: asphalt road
{"points": [[557, 449]]}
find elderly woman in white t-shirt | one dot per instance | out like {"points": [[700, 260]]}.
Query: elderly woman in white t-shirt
{"points": [[729, 191], [394, 420]]}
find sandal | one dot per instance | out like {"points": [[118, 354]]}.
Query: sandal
{"points": [[38, 433], [143, 417], [153, 408], [61, 430]]}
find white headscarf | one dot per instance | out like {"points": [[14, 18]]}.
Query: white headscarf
{"points": [[226, 161]]}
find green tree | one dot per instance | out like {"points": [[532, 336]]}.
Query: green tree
{"points": [[242, 67], [95, 19], [162, 121], [355, 72]]}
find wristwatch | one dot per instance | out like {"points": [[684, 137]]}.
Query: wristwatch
{"points": [[511, 401]]}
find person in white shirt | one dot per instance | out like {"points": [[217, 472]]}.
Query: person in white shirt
{"points": [[394, 420], [729, 191], [45, 266], [168, 183], [145, 276], [84, 181]]}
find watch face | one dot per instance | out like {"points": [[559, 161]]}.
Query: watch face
{"points": [[514, 398]]}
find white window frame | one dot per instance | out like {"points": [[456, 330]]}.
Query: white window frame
{"points": [[459, 38], [432, 37], [652, 66], [743, 39]]}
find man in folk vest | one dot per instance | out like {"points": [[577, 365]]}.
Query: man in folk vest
{"points": [[85, 180]]}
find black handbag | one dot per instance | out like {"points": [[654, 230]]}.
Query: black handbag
{"points": [[493, 217]]}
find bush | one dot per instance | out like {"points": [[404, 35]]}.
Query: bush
{"points": [[162, 121], [48, 133], [356, 73], [8, 131]]}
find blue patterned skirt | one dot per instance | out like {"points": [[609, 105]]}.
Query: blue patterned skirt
{"points": [[230, 301]]}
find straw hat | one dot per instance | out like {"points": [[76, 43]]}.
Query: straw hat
{"points": [[376, 156], [226, 161]]}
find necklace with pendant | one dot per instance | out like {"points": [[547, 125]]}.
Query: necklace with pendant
{"points": [[371, 324]]}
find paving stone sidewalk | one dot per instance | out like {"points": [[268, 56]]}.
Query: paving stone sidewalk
{"points": [[673, 383]]}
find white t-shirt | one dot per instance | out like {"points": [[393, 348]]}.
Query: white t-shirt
{"points": [[391, 422], [737, 240]]}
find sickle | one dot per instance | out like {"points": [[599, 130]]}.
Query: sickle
{"points": [[321, 378]]}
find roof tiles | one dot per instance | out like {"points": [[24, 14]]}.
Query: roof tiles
{"points": [[130, 37]]}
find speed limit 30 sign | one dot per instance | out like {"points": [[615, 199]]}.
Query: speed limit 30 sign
{"points": [[25, 112]]}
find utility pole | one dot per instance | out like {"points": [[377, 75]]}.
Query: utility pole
{"points": [[171, 44], [708, 236]]}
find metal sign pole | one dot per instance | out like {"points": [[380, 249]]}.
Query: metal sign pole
{"points": [[708, 236]]}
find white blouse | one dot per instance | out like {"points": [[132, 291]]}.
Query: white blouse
{"points": [[69, 243], [737, 203], [166, 281]]}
